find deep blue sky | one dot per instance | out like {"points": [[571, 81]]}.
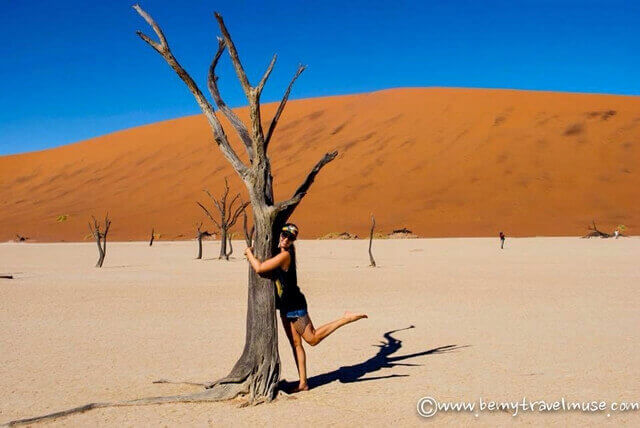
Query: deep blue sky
{"points": [[72, 70]]}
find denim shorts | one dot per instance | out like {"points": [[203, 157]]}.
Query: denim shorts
{"points": [[296, 314]]}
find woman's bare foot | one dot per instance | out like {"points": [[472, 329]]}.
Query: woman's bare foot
{"points": [[300, 387], [351, 317]]}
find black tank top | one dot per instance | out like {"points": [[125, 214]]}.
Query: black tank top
{"points": [[288, 294]]}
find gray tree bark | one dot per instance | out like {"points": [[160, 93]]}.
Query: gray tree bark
{"points": [[248, 236]]}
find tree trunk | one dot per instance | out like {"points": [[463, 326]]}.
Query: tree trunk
{"points": [[227, 255], [372, 261], [223, 244], [199, 246], [100, 236], [100, 251], [104, 250], [258, 368]]}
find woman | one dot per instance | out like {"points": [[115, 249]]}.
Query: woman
{"points": [[292, 303]]}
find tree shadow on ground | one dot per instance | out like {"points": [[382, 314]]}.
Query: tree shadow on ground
{"points": [[382, 360]]}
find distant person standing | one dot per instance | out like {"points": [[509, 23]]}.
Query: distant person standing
{"points": [[616, 233], [502, 238]]}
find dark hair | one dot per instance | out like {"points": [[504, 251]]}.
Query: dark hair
{"points": [[291, 273]]}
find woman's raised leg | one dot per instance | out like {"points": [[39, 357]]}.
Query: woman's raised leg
{"points": [[313, 336]]}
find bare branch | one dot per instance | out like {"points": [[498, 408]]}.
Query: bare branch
{"points": [[287, 207], [292, 201], [260, 86], [276, 117], [233, 119], [209, 215], [233, 53], [255, 114], [233, 201], [215, 202], [156, 29], [107, 223], [95, 228], [226, 192], [237, 213], [155, 45], [252, 94], [220, 137]]}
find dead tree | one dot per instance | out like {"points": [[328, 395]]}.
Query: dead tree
{"points": [[201, 234], [21, 238], [100, 237], [152, 237], [256, 373], [6, 276], [373, 224], [248, 236], [594, 232], [230, 236], [228, 216], [404, 230]]}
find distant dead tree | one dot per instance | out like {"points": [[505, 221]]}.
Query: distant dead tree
{"points": [[373, 225], [595, 233], [248, 236], [21, 238], [201, 234], [6, 276], [404, 230], [100, 237], [228, 216], [152, 237]]}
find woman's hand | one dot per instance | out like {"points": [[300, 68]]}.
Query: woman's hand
{"points": [[269, 264]]}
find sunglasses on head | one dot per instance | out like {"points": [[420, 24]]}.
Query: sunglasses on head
{"points": [[288, 235]]}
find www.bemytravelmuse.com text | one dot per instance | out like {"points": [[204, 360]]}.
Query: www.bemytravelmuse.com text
{"points": [[429, 406]]}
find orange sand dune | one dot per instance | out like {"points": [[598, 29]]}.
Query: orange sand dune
{"points": [[439, 161]]}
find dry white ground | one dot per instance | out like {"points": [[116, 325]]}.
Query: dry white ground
{"points": [[545, 318]]}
